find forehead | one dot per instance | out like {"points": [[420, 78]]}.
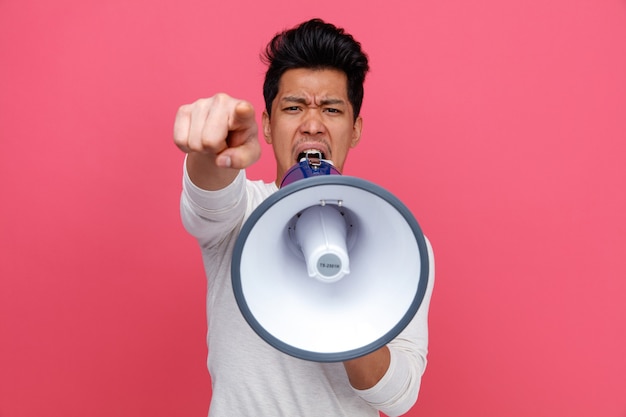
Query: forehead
{"points": [[313, 84]]}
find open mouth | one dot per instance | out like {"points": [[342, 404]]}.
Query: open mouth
{"points": [[310, 154]]}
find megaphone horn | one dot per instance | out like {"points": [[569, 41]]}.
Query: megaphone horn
{"points": [[329, 268]]}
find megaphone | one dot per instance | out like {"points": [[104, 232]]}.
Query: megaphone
{"points": [[330, 267]]}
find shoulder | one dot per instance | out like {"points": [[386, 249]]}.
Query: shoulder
{"points": [[258, 190]]}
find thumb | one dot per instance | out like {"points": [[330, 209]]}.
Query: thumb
{"points": [[241, 156]]}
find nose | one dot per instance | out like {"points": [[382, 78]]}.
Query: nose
{"points": [[312, 123]]}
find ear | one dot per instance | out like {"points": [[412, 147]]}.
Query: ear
{"points": [[267, 128], [356, 131]]}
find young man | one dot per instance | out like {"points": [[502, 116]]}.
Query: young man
{"points": [[313, 92]]}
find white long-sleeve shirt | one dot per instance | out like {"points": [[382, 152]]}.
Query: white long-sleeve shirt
{"points": [[251, 378]]}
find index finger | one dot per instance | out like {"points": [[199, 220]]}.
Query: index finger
{"points": [[242, 117]]}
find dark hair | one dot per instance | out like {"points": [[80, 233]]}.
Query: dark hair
{"points": [[315, 44]]}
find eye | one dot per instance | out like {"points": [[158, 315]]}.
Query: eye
{"points": [[291, 109], [332, 110]]}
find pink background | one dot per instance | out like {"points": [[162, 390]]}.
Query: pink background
{"points": [[501, 124]]}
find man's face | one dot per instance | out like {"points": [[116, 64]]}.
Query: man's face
{"points": [[311, 112]]}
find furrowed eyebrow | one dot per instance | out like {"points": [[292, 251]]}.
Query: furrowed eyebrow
{"points": [[323, 102], [332, 101], [294, 99]]}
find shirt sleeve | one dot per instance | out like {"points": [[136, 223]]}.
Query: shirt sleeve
{"points": [[211, 215], [398, 389]]}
